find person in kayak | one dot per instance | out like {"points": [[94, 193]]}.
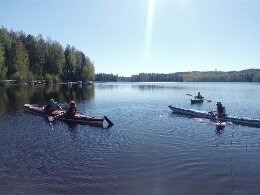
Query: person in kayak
{"points": [[221, 110], [200, 97], [52, 106], [72, 109]]}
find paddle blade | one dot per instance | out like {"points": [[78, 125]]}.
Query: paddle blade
{"points": [[109, 121], [188, 94], [51, 118]]}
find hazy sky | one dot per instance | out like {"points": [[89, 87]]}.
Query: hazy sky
{"points": [[131, 36]]}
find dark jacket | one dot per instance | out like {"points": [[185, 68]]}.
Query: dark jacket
{"points": [[71, 111], [199, 96], [51, 107], [221, 110]]}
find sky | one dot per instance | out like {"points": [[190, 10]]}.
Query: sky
{"points": [[127, 37]]}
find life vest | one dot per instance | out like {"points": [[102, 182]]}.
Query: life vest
{"points": [[71, 111], [224, 110], [74, 110], [51, 107]]}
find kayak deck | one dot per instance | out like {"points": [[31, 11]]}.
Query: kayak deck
{"points": [[212, 116]]}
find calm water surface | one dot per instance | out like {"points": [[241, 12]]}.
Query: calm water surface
{"points": [[149, 150]]}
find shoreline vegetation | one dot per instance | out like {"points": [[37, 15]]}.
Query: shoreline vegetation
{"points": [[26, 59], [34, 82], [249, 75]]}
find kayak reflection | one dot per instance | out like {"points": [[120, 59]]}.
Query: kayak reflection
{"points": [[220, 129]]}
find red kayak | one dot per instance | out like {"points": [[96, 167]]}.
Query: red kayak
{"points": [[58, 114]]}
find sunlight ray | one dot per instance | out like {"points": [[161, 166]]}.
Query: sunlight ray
{"points": [[148, 36]]}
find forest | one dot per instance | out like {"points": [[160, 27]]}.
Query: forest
{"points": [[27, 58], [249, 75]]}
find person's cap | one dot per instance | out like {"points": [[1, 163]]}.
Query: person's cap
{"points": [[52, 100], [72, 103]]}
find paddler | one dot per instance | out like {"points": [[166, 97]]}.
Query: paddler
{"points": [[221, 110], [52, 106], [72, 109], [200, 97]]}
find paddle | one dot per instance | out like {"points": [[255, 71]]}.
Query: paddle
{"points": [[209, 101], [213, 112], [195, 96], [110, 124], [52, 118]]}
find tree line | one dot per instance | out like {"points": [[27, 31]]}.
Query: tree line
{"points": [[248, 75], [27, 57]]}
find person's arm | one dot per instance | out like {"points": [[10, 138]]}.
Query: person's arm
{"points": [[58, 106], [69, 111], [46, 107], [74, 110]]}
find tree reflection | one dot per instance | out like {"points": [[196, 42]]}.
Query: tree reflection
{"points": [[14, 97]]}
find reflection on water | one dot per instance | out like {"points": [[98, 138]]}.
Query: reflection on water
{"points": [[106, 86], [220, 129], [140, 86], [156, 86], [14, 97]]}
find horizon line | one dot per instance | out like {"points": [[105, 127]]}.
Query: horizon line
{"points": [[181, 72]]}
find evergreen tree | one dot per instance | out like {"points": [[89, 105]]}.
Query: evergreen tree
{"points": [[256, 77], [79, 63], [90, 70], [70, 62], [31, 46], [55, 58], [40, 56], [3, 68], [6, 41], [20, 62]]}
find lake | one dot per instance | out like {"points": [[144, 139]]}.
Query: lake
{"points": [[149, 150]]}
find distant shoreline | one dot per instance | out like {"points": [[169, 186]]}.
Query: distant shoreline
{"points": [[247, 75], [3, 84]]}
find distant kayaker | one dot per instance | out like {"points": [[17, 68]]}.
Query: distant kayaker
{"points": [[52, 106], [199, 96], [221, 110], [72, 109]]}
